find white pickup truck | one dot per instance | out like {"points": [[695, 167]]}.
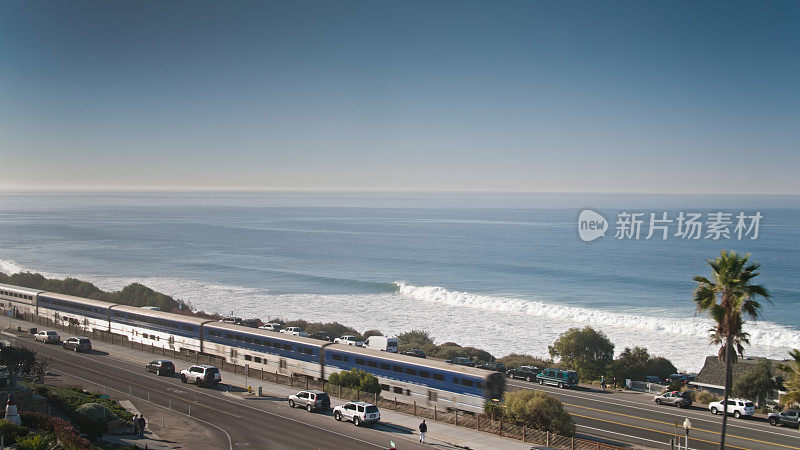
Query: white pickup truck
{"points": [[349, 339], [294, 331], [201, 374]]}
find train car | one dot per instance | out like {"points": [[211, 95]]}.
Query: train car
{"points": [[77, 311], [424, 381], [20, 300], [157, 328], [264, 349]]}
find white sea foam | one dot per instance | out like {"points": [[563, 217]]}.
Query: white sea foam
{"points": [[500, 325]]}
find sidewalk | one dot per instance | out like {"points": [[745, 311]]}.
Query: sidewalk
{"points": [[439, 434]]}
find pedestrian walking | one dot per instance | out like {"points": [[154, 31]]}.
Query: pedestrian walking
{"points": [[423, 428], [142, 424], [136, 424], [603, 382]]}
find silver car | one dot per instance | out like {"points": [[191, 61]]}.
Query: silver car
{"points": [[310, 400], [48, 337]]}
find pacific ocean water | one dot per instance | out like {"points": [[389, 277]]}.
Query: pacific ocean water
{"points": [[502, 271]]}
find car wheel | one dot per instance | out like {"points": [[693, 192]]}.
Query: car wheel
{"points": [[356, 421], [541, 382], [337, 415], [183, 379], [158, 372], [658, 401], [773, 421], [737, 414], [197, 381], [560, 385], [75, 349], [528, 378], [679, 404], [291, 403], [309, 408], [714, 410]]}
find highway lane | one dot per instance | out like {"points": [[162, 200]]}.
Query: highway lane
{"points": [[255, 423], [635, 415]]}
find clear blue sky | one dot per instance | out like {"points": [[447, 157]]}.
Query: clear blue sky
{"points": [[638, 96]]}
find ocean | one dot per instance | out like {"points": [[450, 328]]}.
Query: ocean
{"points": [[505, 272]]}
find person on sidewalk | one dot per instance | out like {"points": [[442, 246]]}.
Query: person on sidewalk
{"points": [[422, 430], [142, 424], [136, 424]]}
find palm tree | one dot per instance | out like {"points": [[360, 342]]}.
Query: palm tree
{"points": [[792, 384], [727, 296]]}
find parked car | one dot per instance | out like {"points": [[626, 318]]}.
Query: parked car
{"points": [[790, 417], [294, 331], [349, 339], [358, 413], [493, 365], [736, 406], [233, 320], [161, 367], [48, 337], [677, 398], [653, 379], [527, 373], [676, 377], [558, 377], [415, 352], [270, 327], [201, 374], [78, 344], [322, 336], [310, 400], [461, 361]]}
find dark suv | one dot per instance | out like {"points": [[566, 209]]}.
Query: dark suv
{"points": [[415, 352], [161, 367], [461, 361], [493, 365], [527, 373]]}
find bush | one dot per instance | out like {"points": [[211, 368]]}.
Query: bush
{"points": [[706, 397], [356, 379], [92, 419], [586, 351], [37, 442], [11, 432], [515, 360], [538, 410], [493, 410], [63, 430]]}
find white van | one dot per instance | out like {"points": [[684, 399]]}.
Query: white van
{"points": [[383, 343]]}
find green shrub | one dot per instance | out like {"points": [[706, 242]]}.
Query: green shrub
{"points": [[706, 397], [515, 360], [11, 432], [356, 379], [45, 441], [538, 410], [63, 430]]}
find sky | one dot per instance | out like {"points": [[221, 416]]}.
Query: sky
{"points": [[557, 96]]}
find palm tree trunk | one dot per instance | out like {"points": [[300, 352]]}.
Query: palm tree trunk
{"points": [[726, 392]]}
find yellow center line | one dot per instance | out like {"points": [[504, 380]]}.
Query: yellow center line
{"points": [[143, 386], [654, 431], [672, 424]]}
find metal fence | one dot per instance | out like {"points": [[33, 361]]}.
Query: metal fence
{"points": [[479, 422]]}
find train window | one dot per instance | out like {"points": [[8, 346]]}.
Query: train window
{"points": [[456, 380], [384, 387], [191, 328], [238, 337], [336, 357], [248, 340], [466, 382], [398, 390], [257, 359], [257, 341], [424, 374], [432, 397], [248, 358], [287, 347], [408, 392], [372, 364], [411, 371], [397, 369], [438, 377], [276, 344], [385, 366], [478, 385], [228, 335], [359, 361]]}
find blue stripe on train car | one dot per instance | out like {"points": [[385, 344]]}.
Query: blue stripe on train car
{"points": [[57, 304], [179, 328], [259, 343]]}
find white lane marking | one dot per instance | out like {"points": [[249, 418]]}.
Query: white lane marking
{"points": [[230, 442], [623, 434], [244, 405], [694, 414]]}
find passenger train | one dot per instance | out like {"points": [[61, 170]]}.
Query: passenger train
{"points": [[426, 382]]}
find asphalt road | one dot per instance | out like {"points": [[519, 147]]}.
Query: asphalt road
{"points": [[635, 418], [239, 423]]}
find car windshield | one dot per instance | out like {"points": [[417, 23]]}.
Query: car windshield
{"points": [[372, 409]]}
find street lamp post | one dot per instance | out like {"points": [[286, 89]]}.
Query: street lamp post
{"points": [[687, 425]]}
